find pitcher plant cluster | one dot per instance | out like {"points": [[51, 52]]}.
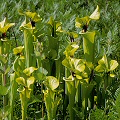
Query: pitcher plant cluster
{"points": [[69, 84]]}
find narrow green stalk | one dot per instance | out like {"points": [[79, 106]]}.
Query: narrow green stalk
{"points": [[84, 101], [50, 110], [51, 106], [24, 105], [79, 96], [105, 87], [39, 64], [42, 100], [12, 94], [4, 97], [1, 44], [29, 48], [58, 68], [65, 94], [85, 110], [71, 93], [91, 99], [4, 79], [86, 91]]}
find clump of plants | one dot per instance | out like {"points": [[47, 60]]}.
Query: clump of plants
{"points": [[56, 73]]}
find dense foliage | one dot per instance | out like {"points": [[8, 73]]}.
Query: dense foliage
{"points": [[59, 60]]}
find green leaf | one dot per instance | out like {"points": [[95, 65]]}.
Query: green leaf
{"points": [[20, 81], [112, 75], [89, 65], [40, 74], [66, 62], [88, 45], [3, 59], [51, 21], [100, 68], [2, 23], [99, 114], [4, 26], [70, 78], [72, 34], [30, 81], [84, 74], [23, 24], [43, 71], [59, 27], [117, 103], [74, 63], [71, 49], [55, 25], [77, 65], [58, 24], [21, 89], [21, 12], [53, 53], [4, 90], [86, 90], [51, 82], [2, 69], [117, 92], [113, 65], [7, 70], [27, 26], [96, 14], [29, 71], [103, 65], [34, 16], [33, 100], [103, 61], [80, 22], [18, 50], [7, 111], [89, 36], [18, 65], [55, 105], [79, 77], [80, 67]]}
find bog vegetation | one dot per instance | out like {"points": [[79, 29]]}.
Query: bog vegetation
{"points": [[59, 60]]}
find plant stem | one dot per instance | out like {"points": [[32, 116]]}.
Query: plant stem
{"points": [[24, 105], [42, 100], [29, 48], [79, 96], [71, 93], [58, 66], [65, 94], [12, 93], [5, 98]]}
